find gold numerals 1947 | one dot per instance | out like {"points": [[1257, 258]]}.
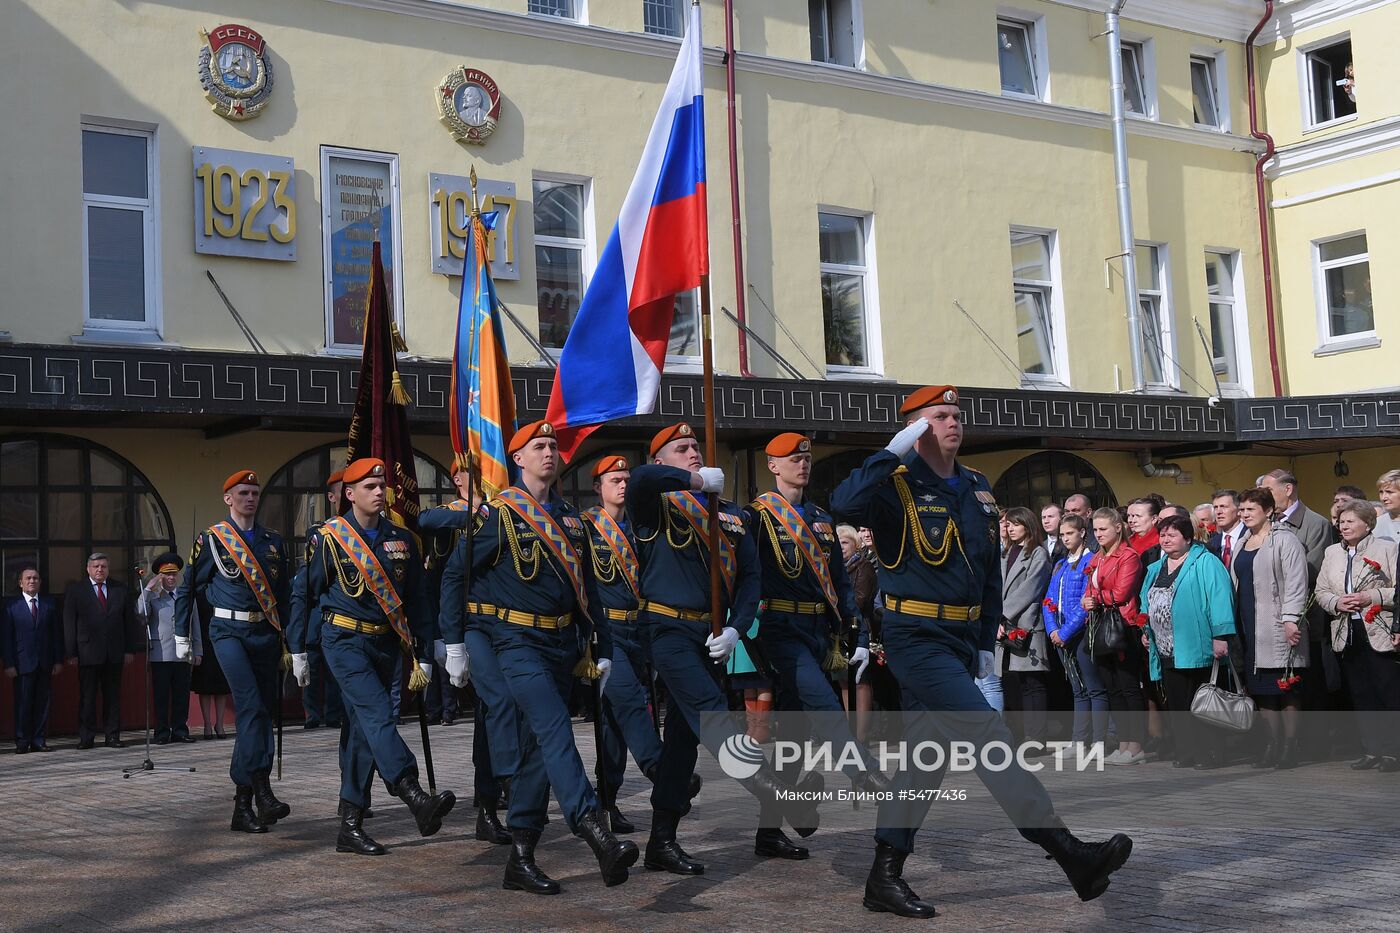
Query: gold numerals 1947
{"points": [[452, 223]]}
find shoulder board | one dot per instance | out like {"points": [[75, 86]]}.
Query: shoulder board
{"points": [[900, 469]]}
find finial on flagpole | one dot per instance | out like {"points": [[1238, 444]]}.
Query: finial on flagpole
{"points": [[476, 207], [376, 216]]}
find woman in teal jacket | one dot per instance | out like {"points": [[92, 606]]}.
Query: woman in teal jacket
{"points": [[1190, 609]]}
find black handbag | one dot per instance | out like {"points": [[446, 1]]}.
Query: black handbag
{"points": [[1106, 632]]}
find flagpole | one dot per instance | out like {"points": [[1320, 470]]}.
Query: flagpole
{"points": [[711, 457]]}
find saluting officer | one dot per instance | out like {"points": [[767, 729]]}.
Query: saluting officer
{"points": [[934, 523], [627, 721], [807, 602], [530, 549], [241, 568], [668, 504], [462, 623], [363, 580]]}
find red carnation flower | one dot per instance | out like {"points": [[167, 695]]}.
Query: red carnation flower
{"points": [[1050, 604], [1141, 620], [1371, 613], [1372, 564]]}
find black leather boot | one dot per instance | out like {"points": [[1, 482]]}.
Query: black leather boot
{"points": [[886, 891], [771, 791], [352, 837], [488, 824], [428, 810], [614, 855], [1268, 757], [774, 843], [696, 782], [522, 874], [244, 819], [270, 809], [874, 781], [618, 823], [1087, 865], [664, 853]]}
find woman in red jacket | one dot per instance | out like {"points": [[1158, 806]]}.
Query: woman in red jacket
{"points": [[1115, 574]]}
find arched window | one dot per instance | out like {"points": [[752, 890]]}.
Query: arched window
{"points": [[1051, 476], [296, 495], [61, 498], [828, 473]]}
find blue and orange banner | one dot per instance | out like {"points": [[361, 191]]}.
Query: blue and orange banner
{"points": [[481, 404]]}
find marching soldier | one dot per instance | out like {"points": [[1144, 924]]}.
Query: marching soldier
{"points": [[321, 709], [808, 601], [935, 534], [241, 569], [363, 580], [627, 721], [495, 733], [529, 549], [667, 504]]}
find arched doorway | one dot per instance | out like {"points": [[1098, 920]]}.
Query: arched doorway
{"points": [[1051, 476], [828, 473]]}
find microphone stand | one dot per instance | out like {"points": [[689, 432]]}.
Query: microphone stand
{"points": [[148, 764]]}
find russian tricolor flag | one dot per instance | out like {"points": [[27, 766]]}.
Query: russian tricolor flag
{"points": [[611, 363]]}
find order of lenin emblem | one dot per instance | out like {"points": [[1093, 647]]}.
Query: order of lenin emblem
{"points": [[469, 103], [234, 70]]}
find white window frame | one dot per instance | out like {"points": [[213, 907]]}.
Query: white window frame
{"points": [[1039, 46], [1305, 83], [681, 19], [1147, 65], [857, 39], [589, 257], [327, 259], [580, 13], [1327, 342], [874, 345], [1243, 384], [1059, 346], [1214, 60], [689, 364], [1171, 375], [152, 327]]}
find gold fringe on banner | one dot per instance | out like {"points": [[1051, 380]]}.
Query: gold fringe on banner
{"points": [[585, 666], [417, 681], [400, 345], [286, 662], [835, 661], [397, 393]]}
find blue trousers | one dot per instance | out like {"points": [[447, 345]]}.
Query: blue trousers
{"points": [[538, 668], [440, 697], [170, 698], [698, 709], [249, 654], [627, 722], [364, 666], [321, 698], [32, 694], [1090, 698], [795, 646], [500, 739], [934, 661]]}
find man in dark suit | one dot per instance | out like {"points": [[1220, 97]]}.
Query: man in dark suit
{"points": [[102, 633], [1050, 520], [31, 643], [1230, 534]]}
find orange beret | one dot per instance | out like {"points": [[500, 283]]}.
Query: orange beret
{"points": [[667, 435], [609, 464], [787, 444], [929, 395], [528, 433], [241, 478], [363, 469], [337, 477]]}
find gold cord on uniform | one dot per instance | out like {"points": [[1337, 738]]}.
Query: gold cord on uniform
{"points": [[522, 559], [923, 548], [791, 570], [352, 583]]}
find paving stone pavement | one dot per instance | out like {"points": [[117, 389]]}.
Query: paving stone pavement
{"points": [[83, 849]]}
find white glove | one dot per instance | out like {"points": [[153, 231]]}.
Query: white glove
{"points": [[722, 645], [711, 479], [301, 670], [985, 662], [861, 659], [182, 648], [903, 442], [604, 672], [427, 668], [455, 661], [440, 652]]}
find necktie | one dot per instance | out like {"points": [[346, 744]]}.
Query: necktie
{"points": [[1225, 551], [102, 596], [34, 608]]}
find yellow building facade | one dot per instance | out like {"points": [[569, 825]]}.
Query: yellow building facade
{"points": [[927, 193]]}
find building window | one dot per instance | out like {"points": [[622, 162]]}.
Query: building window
{"points": [[835, 29], [1033, 285], [848, 313], [560, 8], [359, 195], [1344, 282], [295, 497], [1154, 314], [120, 252], [1226, 301], [1205, 94], [1330, 82], [663, 18], [1137, 83], [61, 498], [1052, 476], [562, 254], [1019, 57], [684, 344]]}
